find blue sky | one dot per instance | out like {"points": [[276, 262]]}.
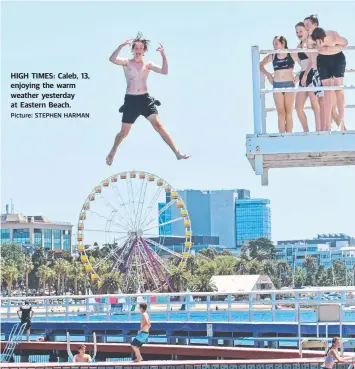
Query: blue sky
{"points": [[49, 166]]}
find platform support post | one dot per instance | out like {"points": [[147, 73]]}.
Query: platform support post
{"points": [[255, 60]]}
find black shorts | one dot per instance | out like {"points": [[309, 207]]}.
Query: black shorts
{"points": [[140, 339], [309, 78], [331, 66], [27, 322], [136, 105]]}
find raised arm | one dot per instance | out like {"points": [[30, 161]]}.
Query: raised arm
{"points": [[164, 68], [114, 57], [265, 61]]}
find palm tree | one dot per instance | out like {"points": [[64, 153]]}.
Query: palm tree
{"points": [[76, 274], [310, 264], [241, 266], [282, 268], [259, 249], [191, 264], [178, 280], [268, 267], [61, 268], [43, 274], [253, 267], [225, 265], [111, 284], [203, 284], [9, 274], [209, 253], [27, 267]]}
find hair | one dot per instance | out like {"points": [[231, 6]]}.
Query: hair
{"points": [[299, 24], [140, 38], [282, 39], [313, 19], [318, 34], [80, 347], [335, 340], [143, 306], [27, 302]]}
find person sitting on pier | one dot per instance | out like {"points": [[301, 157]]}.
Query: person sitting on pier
{"points": [[283, 78], [332, 354], [143, 333], [82, 357], [331, 65]]}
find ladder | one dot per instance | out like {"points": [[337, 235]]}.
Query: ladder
{"points": [[15, 338]]}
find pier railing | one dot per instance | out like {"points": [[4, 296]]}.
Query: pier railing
{"points": [[306, 306]]}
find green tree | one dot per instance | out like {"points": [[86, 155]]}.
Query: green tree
{"points": [[38, 259], [203, 284], [9, 274], [62, 268], [310, 264], [268, 267], [111, 284], [340, 272], [46, 275], [226, 252], [12, 254], [206, 268], [178, 280], [210, 253], [76, 274], [241, 266], [191, 264], [253, 267], [299, 277], [225, 265], [259, 249], [27, 267]]}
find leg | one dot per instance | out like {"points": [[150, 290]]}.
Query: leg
{"points": [[155, 120], [340, 101], [126, 127], [335, 115], [289, 102], [327, 124], [281, 113], [316, 109], [137, 353], [28, 331], [301, 98]]}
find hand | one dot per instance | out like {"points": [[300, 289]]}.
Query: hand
{"points": [[127, 42], [304, 80], [270, 78], [296, 79], [161, 49]]}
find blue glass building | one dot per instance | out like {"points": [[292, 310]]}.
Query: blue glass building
{"points": [[253, 220], [230, 215]]}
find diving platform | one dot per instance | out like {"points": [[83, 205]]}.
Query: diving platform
{"points": [[266, 150]]}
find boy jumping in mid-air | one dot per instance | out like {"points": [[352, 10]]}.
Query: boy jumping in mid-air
{"points": [[143, 333], [137, 100]]}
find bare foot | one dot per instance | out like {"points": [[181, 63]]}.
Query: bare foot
{"points": [[180, 156], [109, 159]]}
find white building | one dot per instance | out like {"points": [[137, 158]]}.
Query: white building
{"points": [[37, 230]]}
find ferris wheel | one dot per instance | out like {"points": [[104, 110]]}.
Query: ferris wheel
{"points": [[130, 217]]}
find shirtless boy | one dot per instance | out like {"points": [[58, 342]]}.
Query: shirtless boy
{"points": [[331, 66], [137, 100], [81, 357], [143, 333]]}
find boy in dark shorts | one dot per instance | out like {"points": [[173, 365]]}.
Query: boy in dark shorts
{"points": [[331, 65], [137, 100], [143, 333], [26, 316]]}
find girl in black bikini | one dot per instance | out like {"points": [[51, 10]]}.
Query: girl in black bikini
{"points": [[283, 78], [301, 96]]}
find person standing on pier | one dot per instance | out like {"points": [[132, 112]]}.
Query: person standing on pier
{"points": [[25, 313], [143, 333]]}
